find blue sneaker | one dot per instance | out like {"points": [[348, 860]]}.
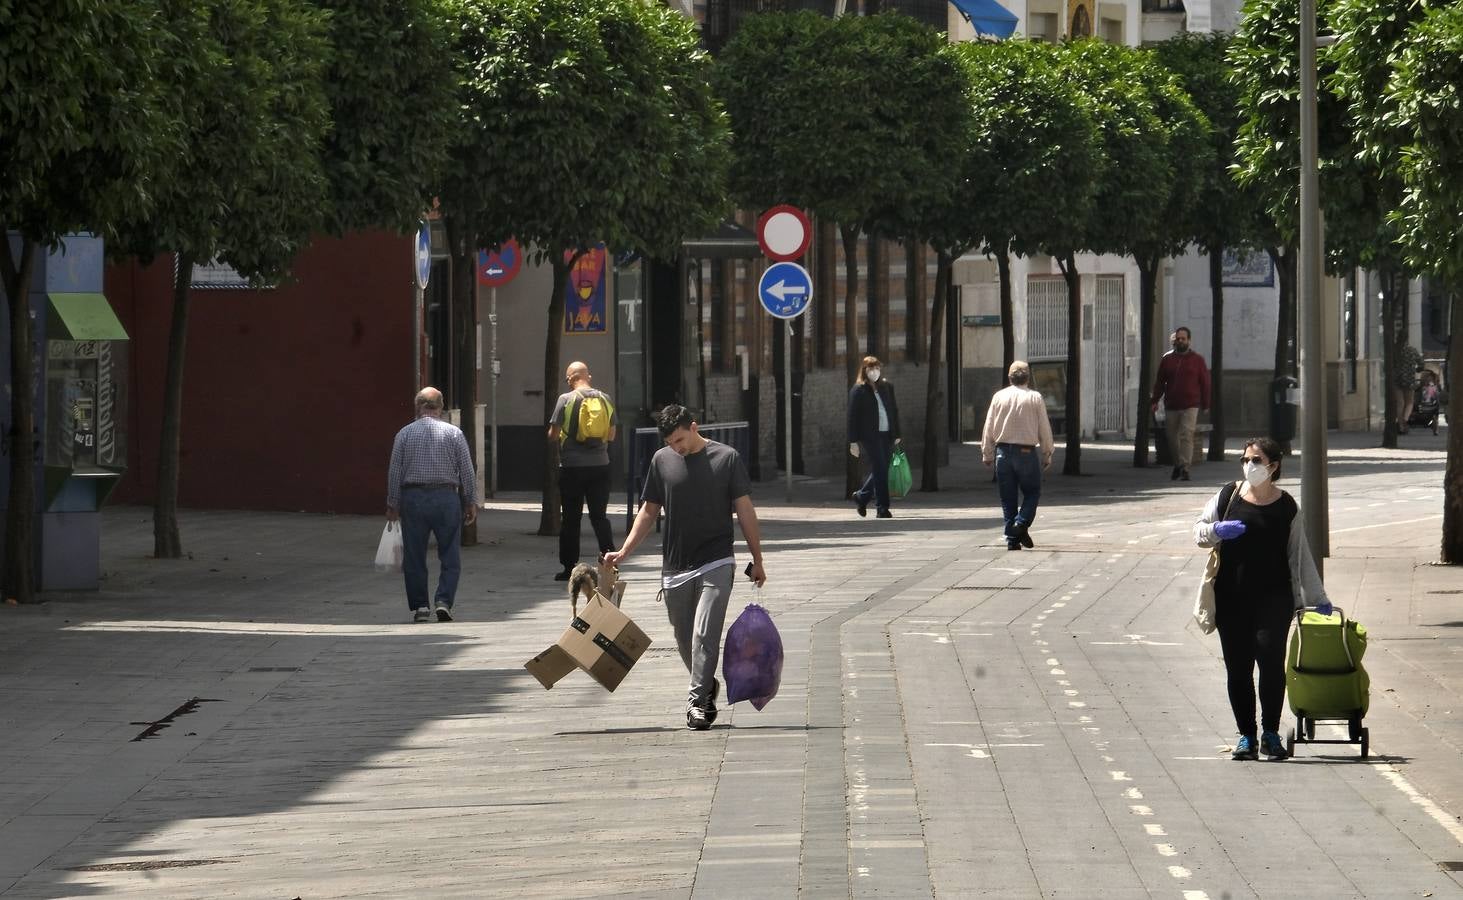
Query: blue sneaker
{"points": [[1271, 746], [1244, 748]]}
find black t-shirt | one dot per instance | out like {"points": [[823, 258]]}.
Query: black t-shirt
{"points": [[1254, 568], [697, 493]]}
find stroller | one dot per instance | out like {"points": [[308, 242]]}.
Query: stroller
{"points": [[1425, 406], [1324, 679]]}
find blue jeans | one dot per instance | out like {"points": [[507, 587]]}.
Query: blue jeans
{"points": [[1018, 469], [436, 511], [877, 453]]}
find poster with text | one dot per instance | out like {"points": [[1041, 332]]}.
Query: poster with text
{"points": [[584, 293]]}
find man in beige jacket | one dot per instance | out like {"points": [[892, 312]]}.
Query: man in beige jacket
{"points": [[1016, 430]]}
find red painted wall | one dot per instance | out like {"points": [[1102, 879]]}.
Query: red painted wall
{"points": [[291, 396]]}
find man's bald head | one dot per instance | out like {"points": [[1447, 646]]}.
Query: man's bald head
{"points": [[576, 374], [429, 402]]}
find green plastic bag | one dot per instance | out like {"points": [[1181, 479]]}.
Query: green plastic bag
{"points": [[900, 478]]}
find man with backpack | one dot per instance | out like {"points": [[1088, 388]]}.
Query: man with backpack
{"points": [[583, 422]]}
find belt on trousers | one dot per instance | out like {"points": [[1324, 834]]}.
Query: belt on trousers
{"points": [[437, 485], [1022, 447]]}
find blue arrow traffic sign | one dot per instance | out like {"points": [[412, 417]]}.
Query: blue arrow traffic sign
{"points": [[785, 290], [424, 256]]}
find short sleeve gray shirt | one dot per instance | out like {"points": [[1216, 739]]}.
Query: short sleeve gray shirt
{"points": [[572, 453], [697, 493]]}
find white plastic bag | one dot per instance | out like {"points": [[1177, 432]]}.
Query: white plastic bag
{"points": [[389, 552]]}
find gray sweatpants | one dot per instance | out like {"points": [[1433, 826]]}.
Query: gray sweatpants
{"points": [[697, 612]]}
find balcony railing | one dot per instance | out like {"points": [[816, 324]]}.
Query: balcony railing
{"points": [[1165, 6]]}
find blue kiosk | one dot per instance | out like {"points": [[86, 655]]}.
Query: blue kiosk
{"points": [[80, 351]]}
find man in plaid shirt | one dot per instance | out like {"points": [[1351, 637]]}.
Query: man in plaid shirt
{"points": [[431, 487]]}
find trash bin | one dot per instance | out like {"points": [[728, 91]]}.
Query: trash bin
{"points": [[1284, 403]]}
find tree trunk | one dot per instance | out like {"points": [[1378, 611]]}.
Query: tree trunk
{"points": [[167, 543], [1072, 464], [1284, 259], [850, 233], [930, 468], [1147, 311], [461, 245], [1216, 357], [1452, 549], [1008, 326], [1391, 349], [19, 580], [548, 518]]}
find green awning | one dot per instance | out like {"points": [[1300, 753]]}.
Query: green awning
{"points": [[82, 317]]}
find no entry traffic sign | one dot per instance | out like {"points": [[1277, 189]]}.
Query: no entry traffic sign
{"points": [[497, 267], [784, 232]]}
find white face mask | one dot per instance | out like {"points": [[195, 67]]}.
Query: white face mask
{"points": [[874, 375], [1256, 474]]}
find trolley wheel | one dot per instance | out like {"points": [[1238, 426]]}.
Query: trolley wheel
{"points": [[1290, 742], [1365, 742]]}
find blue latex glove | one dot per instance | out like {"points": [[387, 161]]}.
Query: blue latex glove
{"points": [[1324, 607], [1229, 529]]}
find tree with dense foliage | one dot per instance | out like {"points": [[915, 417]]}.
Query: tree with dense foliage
{"points": [[1157, 233], [842, 117], [583, 122], [1423, 103], [391, 111], [1026, 131], [85, 140], [1228, 210], [1132, 189], [249, 186]]}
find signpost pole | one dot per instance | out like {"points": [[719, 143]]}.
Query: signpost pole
{"points": [[493, 354], [787, 400]]}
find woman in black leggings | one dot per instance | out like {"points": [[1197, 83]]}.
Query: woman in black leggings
{"points": [[1265, 574]]}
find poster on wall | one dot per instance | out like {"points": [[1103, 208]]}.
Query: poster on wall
{"points": [[584, 293], [1253, 269]]}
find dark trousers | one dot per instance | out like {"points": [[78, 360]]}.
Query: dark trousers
{"points": [[578, 485], [1255, 637], [1018, 478], [877, 452]]}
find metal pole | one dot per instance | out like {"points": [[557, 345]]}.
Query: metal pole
{"points": [[787, 400], [493, 356], [419, 302], [1313, 394]]}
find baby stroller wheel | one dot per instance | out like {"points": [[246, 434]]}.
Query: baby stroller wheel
{"points": [[1365, 742], [1290, 742]]}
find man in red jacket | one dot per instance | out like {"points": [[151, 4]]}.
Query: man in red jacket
{"points": [[1183, 385]]}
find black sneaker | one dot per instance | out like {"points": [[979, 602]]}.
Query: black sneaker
{"points": [[863, 506], [885, 514], [710, 707], [697, 719], [1012, 545], [563, 576], [1271, 746], [1184, 475], [1174, 475], [1023, 537], [444, 613]]}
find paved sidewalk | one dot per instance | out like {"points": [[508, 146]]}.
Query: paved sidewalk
{"points": [[954, 719]]}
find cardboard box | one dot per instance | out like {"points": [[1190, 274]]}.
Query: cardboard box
{"points": [[601, 640]]}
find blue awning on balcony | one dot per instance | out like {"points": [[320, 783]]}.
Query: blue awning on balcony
{"points": [[989, 17]]}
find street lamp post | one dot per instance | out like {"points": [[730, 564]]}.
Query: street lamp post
{"points": [[1312, 393]]}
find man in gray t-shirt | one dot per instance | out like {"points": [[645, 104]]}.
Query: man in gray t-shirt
{"points": [[699, 484], [584, 467]]}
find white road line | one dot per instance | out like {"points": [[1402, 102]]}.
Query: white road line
{"points": [[1165, 850], [1140, 810], [1179, 872], [1386, 524], [1450, 825], [1120, 776], [1155, 830]]}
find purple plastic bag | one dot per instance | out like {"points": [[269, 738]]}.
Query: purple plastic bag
{"points": [[751, 664]]}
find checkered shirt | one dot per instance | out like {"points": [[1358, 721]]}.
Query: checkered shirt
{"points": [[430, 451]]}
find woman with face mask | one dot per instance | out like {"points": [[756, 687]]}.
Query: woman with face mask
{"points": [[1265, 574], [873, 430]]}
